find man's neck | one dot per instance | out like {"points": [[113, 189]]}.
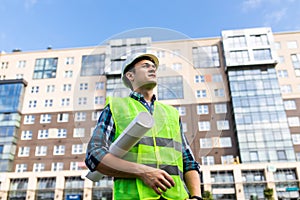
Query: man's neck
{"points": [[148, 94]]}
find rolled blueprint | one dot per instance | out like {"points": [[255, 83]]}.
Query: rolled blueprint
{"points": [[128, 138]]}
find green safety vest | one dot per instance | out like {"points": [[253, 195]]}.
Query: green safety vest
{"points": [[161, 147]]}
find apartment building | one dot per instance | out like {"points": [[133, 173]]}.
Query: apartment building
{"points": [[238, 96]]}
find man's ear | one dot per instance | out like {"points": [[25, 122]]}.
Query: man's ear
{"points": [[130, 76]]}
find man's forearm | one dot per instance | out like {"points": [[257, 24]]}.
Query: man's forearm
{"points": [[192, 180], [116, 167], [157, 179]]}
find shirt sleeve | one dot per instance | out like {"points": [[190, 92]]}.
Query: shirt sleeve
{"points": [[189, 162], [101, 139]]}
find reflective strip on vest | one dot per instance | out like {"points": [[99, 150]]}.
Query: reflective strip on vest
{"points": [[159, 148]]}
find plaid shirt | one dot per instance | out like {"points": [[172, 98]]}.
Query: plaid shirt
{"points": [[104, 134]]}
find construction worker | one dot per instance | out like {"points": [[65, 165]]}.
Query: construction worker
{"points": [[161, 165]]}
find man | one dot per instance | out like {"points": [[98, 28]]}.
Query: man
{"points": [[161, 165]]}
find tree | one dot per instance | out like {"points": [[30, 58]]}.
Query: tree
{"points": [[207, 195], [268, 193]]}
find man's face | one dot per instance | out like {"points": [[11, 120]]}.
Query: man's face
{"points": [[144, 75]]}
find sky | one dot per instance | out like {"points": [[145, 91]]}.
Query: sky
{"points": [[32, 25]]}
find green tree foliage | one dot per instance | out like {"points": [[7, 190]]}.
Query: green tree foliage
{"points": [[268, 193], [207, 195]]}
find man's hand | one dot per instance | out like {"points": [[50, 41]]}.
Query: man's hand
{"points": [[157, 179]]}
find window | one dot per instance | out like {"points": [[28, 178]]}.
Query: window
{"points": [[289, 105], [175, 53], [201, 94], [45, 68], [50, 88], [38, 167], [170, 87], [67, 87], [32, 104], [259, 40], [69, 61], [205, 143], [24, 151], [45, 118], [61, 133], [293, 121], [204, 126], [285, 89], [177, 66], [161, 54], [48, 103], [43, 134], [240, 56], [77, 148], [21, 64], [19, 76], [282, 73], [80, 116], [83, 86], [35, 89], [199, 79], [277, 45], [26, 135], [224, 142], [296, 138], [181, 110], [237, 41], [57, 166], [96, 115], [65, 101], [202, 109], [92, 65], [74, 166], [292, 45], [29, 119], [63, 117], [228, 159], [298, 156], [78, 132], [99, 100], [45, 183], [217, 78], [281, 155], [208, 160], [40, 150], [223, 125], [21, 168], [206, 56], [99, 85], [253, 156], [219, 92], [59, 150], [184, 127], [68, 74], [262, 54], [82, 101], [2, 77], [281, 59], [295, 60], [19, 184], [221, 108]]}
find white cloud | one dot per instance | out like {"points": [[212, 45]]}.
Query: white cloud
{"points": [[250, 4], [275, 17], [30, 3]]}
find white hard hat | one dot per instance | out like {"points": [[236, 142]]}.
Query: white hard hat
{"points": [[131, 60]]}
